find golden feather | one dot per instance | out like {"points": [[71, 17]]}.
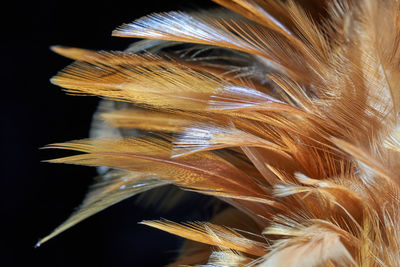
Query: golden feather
{"points": [[285, 110]]}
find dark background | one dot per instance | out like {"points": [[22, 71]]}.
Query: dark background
{"points": [[36, 197]]}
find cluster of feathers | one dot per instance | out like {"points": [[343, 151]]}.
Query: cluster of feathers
{"points": [[286, 110]]}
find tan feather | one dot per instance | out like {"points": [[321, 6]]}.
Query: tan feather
{"points": [[111, 188], [153, 155], [287, 111], [211, 234], [147, 120]]}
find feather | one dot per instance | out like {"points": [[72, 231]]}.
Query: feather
{"points": [[197, 28], [288, 111], [228, 257], [152, 155], [146, 120], [199, 253], [211, 234], [311, 248], [210, 137], [146, 83], [110, 189], [263, 12]]}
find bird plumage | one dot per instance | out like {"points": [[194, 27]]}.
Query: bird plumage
{"points": [[287, 111]]}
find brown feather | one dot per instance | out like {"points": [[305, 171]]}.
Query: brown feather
{"points": [[287, 111]]}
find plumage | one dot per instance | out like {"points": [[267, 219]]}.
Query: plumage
{"points": [[286, 110]]}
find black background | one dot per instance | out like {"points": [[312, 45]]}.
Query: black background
{"points": [[35, 196]]}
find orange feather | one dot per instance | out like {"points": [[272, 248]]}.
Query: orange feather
{"points": [[286, 110]]}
